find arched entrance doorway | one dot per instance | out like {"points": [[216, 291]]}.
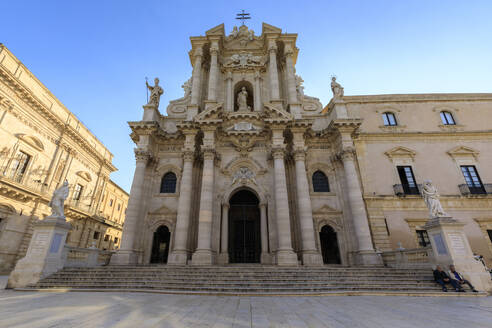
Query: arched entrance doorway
{"points": [[160, 245], [244, 228], [329, 245]]}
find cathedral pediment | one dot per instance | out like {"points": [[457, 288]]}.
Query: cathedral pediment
{"points": [[162, 211], [326, 210], [218, 30], [463, 151], [210, 115], [267, 28]]}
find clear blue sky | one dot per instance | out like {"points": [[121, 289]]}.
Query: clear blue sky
{"points": [[94, 55]]}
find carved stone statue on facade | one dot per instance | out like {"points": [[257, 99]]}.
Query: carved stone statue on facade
{"points": [[336, 88], [243, 175], [431, 198], [187, 88], [299, 88], [58, 200], [155, 93], [242, 100]]}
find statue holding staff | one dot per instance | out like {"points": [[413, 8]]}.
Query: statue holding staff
{"points": [[155, 92]]}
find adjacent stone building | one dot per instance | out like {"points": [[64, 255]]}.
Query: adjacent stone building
{"points": [[42, 144], [246, 168]]}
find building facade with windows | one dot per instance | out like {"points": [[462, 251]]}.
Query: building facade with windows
{"points": [[246, 168], [42, 144]]}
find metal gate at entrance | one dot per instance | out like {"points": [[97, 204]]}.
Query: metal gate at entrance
{"points": [[244, 228]]}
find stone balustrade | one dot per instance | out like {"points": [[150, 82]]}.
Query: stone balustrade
{"points": [[409, 258], [85, 257]]}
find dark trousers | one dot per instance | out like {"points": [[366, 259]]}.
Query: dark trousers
{"points": [[454, 283], [468, 283]]}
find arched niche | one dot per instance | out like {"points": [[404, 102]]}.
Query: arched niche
{"points": [[249, 88]]}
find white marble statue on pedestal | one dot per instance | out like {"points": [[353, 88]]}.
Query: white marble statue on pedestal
{"points": [[242, 100], [336, 88], [57, 201], [155, 93], [431, 198]]}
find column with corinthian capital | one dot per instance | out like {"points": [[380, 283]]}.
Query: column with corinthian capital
{"points": [[273, 70], [203, 253], [128, 254], [180, 251], [310, 255], [196, 78], [295, 107], [212, 79], [365, 250], [285, 254]]}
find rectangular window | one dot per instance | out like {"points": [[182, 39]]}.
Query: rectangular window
{"points": [[19, 166], [490, 235], [408, 180], [106, 238], [423, 238], [447, 118], [119, 207], [77, 192], [115, 240], [110, 203], [96, 235], [472, 179]]}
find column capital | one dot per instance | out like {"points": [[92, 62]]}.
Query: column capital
{"points": [[257, 75], [188, 155], [142, 155], [214, 51], [198, 53], [263, 204], [346, 154], [299, 154], [208, 153], [278, 152], [228, 75], [225, 205]]}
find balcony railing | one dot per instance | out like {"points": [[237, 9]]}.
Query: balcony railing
{"points": [[402, 190], [467, 190]]}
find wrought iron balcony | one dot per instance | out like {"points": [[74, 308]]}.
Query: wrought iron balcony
{"points": [[402, 190], [483, 190]]}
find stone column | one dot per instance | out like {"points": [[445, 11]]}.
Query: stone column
{"points": [[274, 85], [310, 256], [264, 233], [257, 95], [203, 253], [127, 253], [224, 235], [285, 254], [179, 254], [291, 77], [365, 251], [197, 76], [229, 95], [212, 79]]}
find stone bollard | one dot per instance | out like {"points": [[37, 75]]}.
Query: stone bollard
{"points": [[45, 254], [450, 246]]}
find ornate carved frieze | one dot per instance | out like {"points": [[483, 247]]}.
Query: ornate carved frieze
{"points": [[243, 175], [243, 60]]}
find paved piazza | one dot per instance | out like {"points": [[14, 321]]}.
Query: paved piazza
{"points": [[80, 309]]}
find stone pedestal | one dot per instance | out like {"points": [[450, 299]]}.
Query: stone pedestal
{"points": [[191, 112], [450, 246], [44, 255], [151, 113]]}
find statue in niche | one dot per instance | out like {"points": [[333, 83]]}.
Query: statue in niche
{"points": [[431, 199], [336, 88], [242, 100], [58, 200], [155, 93]]}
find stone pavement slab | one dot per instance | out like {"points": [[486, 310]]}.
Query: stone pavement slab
{"points": [[95, 309]]}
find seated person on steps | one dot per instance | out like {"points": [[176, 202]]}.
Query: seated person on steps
{"points": [[459, 278], [442, 279]]}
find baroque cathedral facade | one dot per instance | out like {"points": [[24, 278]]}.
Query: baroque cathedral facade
{"points": [[246, 168]]}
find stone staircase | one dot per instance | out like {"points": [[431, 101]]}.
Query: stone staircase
{"points": [[248, 280]]}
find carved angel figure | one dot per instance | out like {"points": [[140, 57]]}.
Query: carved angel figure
{"points": [[431, 199], [155, 92], [299, 88], [58, 200], [336, 88]]}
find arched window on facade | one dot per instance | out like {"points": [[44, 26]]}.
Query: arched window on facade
{"points": [[168, 183], [320, 182], [389, 119], [447, 118]]}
